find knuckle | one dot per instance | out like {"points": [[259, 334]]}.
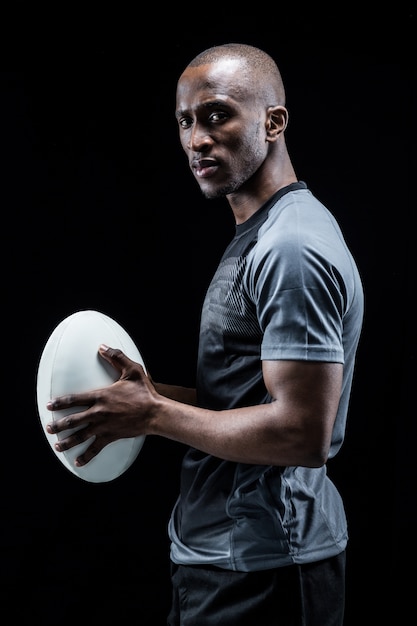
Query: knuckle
{"points": [[115, 353], [78, 436]]}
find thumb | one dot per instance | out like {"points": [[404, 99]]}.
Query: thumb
{"points": [[114, 356], [121, 362]]}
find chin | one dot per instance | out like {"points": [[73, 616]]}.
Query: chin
{"points": [[211, 193]]}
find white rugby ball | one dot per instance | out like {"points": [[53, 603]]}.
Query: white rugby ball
{"points": [[70, 363]]}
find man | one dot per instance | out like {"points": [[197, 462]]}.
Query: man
{"points": [[258, 534]]}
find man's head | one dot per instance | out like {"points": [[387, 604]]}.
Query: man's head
{"points": [[231, 111], [256, 67]]}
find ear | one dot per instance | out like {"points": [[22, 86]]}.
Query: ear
{"points": [[276, 122]]}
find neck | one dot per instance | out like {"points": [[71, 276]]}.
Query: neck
{"points": [[269, 179]]}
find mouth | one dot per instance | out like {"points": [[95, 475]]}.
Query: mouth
{"points": [[203, 168]]}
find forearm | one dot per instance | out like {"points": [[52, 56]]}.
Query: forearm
{"points": [[295, 429], [187, 395], [257, 434]]}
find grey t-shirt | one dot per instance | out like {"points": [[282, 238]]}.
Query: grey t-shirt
{"points": [[286, 287]]}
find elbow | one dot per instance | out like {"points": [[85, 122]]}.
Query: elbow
{"points": [[318, 454], [317, 459], [317, 443], [316, 449]]}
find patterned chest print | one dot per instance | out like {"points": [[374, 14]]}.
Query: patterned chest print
{"points": [[227, 307]]}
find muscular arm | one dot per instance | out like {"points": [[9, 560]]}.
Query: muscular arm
{"points": [[294, 429]]}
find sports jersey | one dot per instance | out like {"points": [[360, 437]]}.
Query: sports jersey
{"points": [[287, 287]]}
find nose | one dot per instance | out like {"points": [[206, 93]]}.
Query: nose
{"points": [[198, 140]]}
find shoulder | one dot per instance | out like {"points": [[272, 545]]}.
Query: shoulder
{"points": [[298, 211], [300, 237], [296, 221]]}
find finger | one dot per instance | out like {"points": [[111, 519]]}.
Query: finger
{"points": [[73, 420], [128, 368], [93, 449], [114, 356], [75, 438], [71, 400], [79, 437]]}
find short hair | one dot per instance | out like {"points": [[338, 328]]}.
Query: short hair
{"points": [[261, 66]]}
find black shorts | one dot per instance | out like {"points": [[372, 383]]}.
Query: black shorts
{"points": [[298, 595]]}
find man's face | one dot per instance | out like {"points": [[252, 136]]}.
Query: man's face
{"points": [[221, 126]]}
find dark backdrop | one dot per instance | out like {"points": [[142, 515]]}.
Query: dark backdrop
{"points": [[100, 211]]}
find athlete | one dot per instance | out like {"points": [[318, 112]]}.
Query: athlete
{"points": [[258, 533]]}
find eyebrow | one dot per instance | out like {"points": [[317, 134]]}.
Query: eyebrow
{"points": [[212, 104]]}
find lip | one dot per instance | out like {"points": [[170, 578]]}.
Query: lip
{"points": [[203, 168]]}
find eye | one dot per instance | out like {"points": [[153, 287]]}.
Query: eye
{"points": [[184, 122], [218, 116]]}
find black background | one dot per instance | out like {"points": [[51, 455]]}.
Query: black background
{"points": [[100, 211]]}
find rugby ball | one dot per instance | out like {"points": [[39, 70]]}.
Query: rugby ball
{"points": [[70, 363]]}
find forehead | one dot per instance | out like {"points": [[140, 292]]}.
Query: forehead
{"points": [[225, 80]]}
